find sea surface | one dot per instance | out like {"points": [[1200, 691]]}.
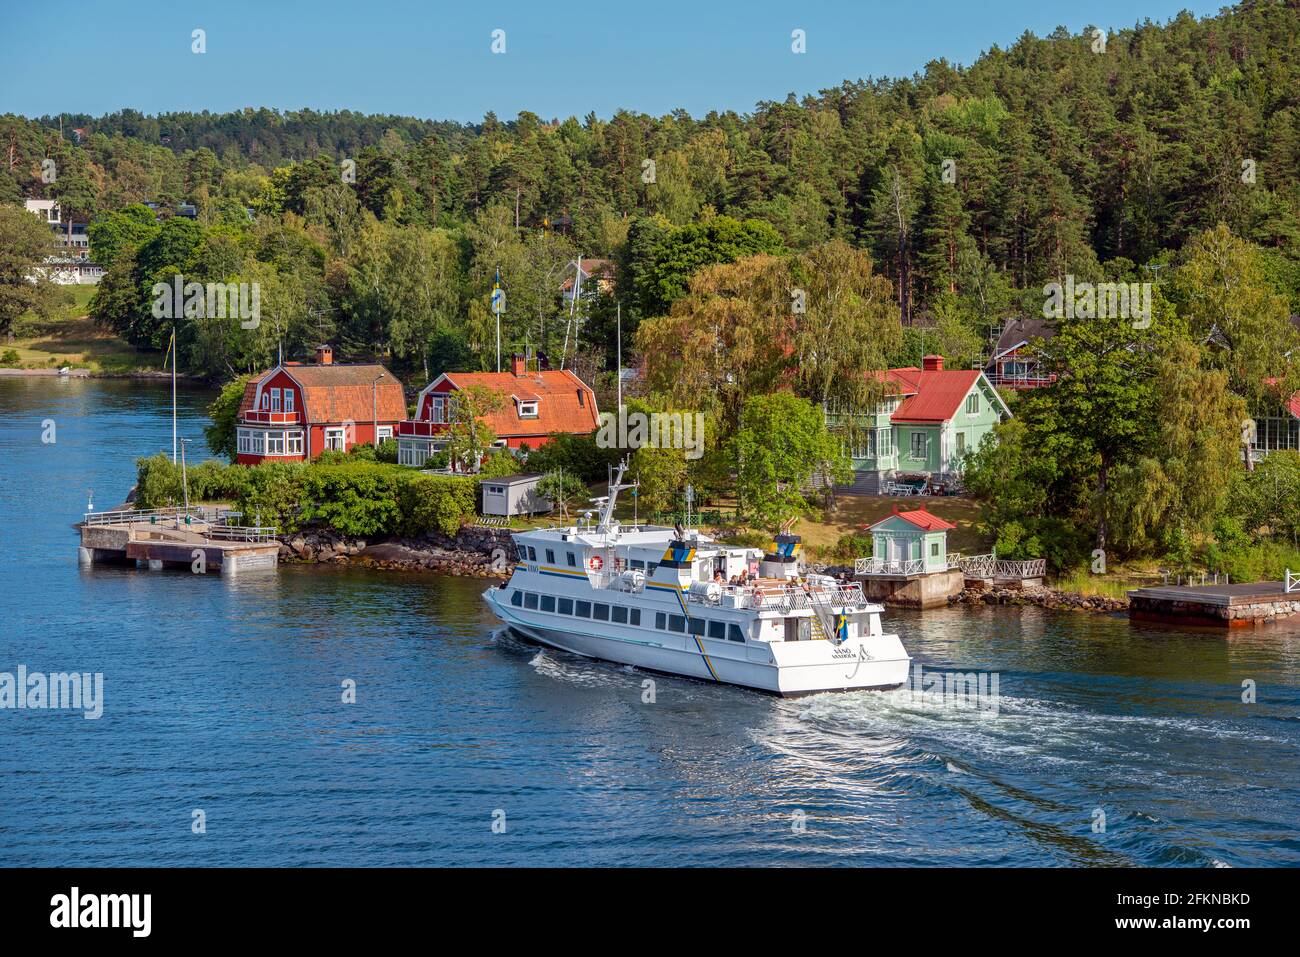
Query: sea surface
{"points": [[1109, 744]]}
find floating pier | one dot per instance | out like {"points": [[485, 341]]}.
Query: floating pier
{"points": [[192, 538], [1224, 606]]}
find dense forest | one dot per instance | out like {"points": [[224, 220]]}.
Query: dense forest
{"points": [[1168, 154]]}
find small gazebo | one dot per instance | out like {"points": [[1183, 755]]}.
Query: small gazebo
{"points": [[910, 543]]}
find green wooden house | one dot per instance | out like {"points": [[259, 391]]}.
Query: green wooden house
{"points": [[909, 543], [930, 418]]}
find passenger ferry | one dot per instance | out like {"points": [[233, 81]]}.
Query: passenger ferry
{"points": [[663, 599]]}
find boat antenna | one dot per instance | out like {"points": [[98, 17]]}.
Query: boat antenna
{"points": [[607, 513]]}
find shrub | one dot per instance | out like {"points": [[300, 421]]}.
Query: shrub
{"points": [[499, 464], [272, 494], [159, 482], [435, 503], [574, 454], [10, 358], [387, 451], [359, 498]]}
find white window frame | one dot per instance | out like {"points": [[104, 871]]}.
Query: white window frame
{"points": [[288, 400], [528, 408], [925, 447], [438, 405], [383, 432], [973, 400], [275, 400], [336, 438]]}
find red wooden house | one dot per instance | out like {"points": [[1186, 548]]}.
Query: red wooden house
{"points": [[539, 403], [298, 410]]}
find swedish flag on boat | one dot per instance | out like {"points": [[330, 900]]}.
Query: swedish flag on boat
{"points": [[842, 627]]}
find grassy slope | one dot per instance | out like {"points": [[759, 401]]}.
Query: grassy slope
{"points": [[69, 338]]}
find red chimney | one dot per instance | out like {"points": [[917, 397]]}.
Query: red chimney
{"points": [[518, 365], [932, 364], [324, 355]]}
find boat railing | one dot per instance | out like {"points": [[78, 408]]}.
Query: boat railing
{"points": [[787, 598]]}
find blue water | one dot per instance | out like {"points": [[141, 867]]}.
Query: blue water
{"points": [[225, 696]]}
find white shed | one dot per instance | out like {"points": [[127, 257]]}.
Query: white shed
{"points": [[513, 495]]}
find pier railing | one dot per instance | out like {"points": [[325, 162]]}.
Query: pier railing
{"points": [[241, 533], [1034, 568], [127, 516], [1291, 582], [881, 566]]}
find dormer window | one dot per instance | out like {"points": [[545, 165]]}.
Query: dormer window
{"points": [[437, 408], [528, 410]]}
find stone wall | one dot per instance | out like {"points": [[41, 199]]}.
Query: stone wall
{"points": [[476, 551]]}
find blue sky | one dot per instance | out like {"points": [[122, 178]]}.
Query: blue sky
{"points": [[433, 59]]}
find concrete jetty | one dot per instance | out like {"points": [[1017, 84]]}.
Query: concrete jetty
{"points": [[196, 539], [1218, 605]]}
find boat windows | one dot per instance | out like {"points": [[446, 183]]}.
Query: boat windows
{"points": [[637, 563], [620, 615], [530, 600], [661, 621], [650, 568], [600, 611], [517, 599], [636, 616], [566, 606], [718, 630], [523, 552], [573, 560], [676, 623], [532, 554], [550, 556], [548, 603], [584, 609], [696, 626], [734, 633]]}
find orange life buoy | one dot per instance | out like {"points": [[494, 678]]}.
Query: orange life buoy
{"points": [[595, 563]]}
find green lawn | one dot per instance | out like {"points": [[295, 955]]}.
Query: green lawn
{"points": [[69, 338]]}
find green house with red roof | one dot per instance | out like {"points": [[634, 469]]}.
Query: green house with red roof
{"points": [[929, 420]]}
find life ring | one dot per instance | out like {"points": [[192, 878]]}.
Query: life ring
{"points": [[595, 563]]}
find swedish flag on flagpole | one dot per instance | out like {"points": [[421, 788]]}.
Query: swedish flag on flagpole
{"points": [[498, 307]]}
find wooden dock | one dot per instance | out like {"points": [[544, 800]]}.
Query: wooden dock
{"points": [[197, 539], [1219, 605]]}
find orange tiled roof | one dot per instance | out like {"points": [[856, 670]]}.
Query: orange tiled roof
{"points": [[556, 394], [340, 393]]}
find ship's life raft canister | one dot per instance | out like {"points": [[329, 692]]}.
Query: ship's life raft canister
{"points": [[709, 591], [782, 557], [632, 580]]}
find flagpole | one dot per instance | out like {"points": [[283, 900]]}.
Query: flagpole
{"points": [[173, 395], [619, 365]]}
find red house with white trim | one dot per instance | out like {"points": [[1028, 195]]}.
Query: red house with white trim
{"points": [[298, 410], [539, 404]]}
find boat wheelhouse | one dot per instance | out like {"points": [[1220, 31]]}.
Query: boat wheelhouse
{"points": [[675, 601]]}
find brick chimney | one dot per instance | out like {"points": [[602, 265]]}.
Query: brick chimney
{"points": [[518, 365], [324, 355], [932, 364]]}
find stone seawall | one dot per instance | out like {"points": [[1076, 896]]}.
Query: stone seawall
{"points": [[1042, 597], [476, 551]]}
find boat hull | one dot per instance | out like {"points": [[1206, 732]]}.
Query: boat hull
{"points": [[789, 669]]}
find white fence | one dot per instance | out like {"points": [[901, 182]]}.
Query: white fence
{"points": [[1291, 582], [881, 566]]}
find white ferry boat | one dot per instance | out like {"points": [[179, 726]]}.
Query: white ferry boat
{"points": [[663, 599]]}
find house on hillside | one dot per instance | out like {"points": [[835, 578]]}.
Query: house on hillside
{"points": [[538, 404], [298, 410], [929, 419], [70, 264], [1013, 366], [599, 271]]}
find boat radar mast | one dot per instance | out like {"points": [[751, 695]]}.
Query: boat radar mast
{"points": [[608, 502]]}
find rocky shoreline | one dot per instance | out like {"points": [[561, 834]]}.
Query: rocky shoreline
{"points": [[1043, 597], [479, 551], [476, 551]]}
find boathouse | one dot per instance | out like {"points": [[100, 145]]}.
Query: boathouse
{"points": [[537, 404], [298, 410]]}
